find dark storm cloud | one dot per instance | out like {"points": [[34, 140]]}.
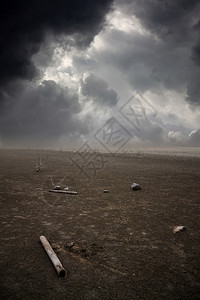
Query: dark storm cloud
{"points": [[25, 24], [97, 90], [196, 53], [165, 18], [44, 111], [176, 24], [29, 33]]}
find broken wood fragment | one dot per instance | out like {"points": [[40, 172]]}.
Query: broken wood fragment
{"points": [[53, 257], [64, 192]]}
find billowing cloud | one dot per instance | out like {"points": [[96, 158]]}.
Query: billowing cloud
{"points": [[175, 27], [30, 34], [25, 25], [176, 138], [147, 64], [164, 18], [44, 111], [77, 63], [98, 91]]}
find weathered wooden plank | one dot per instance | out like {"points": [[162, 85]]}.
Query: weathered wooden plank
{"points": [[64, 192]]}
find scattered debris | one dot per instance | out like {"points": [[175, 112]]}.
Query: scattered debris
{"points": [[135, 186], [178, 229], [41, 161], [57, 187], [53, 257], [86, 254], [84, 257], [69, 245], [64, 192], [88, 251], [106, 191]]}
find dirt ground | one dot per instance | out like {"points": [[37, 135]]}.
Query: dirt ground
{"points": [[116, 245]]}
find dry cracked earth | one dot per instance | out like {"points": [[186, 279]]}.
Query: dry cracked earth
{"points": [[116, 245]]}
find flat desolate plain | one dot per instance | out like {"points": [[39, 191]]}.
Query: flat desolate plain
{"points": [[116, 245]]}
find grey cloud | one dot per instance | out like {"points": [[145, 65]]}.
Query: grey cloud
{"points": [[44, 111], [195, 138], [196, 53], [147, 64], [176, 138], [82, 63], [29, 33], [150, 131], [196, 47], [168, 57], [193, 91], [168, 19], [98, 91], [176, 25]]}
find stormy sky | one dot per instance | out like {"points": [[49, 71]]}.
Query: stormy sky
{"points": [[76, 71]]}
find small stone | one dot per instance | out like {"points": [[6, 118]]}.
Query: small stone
{"points": [[135, 186], [178, 229]]}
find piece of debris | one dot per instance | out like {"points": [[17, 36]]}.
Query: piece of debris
{"points": [[135, 186], [88, 251], [66, 188], [69, 245], [106, 191], [64, 192], [74, 247], [57, 187], [53, 257], [41, 161], [178, 229]]}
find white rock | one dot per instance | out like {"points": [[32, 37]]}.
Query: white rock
{"points": [[178, 229], [135, 186]]}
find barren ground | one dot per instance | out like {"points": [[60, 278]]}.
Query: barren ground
{"points": [[123, 245]]}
